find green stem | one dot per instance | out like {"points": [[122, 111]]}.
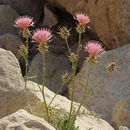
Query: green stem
{"points": [[27, 44], [43, 84], [95, 86], [56, 94], [26, 60], [72, 96], [74, 75], [90, 67], [79, 43], [66, 40], [26, 71]]}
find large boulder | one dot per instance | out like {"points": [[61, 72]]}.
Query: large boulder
{"points": [[7, 18], [12, 94], [12, 43], [23, 7], [109, 18], [114, 87], [55, 67], [50, 18], [21, 120], [121, 113], [83, 121]]}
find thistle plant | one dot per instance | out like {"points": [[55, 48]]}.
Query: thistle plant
{"points": [[93, 48], [83, 20], [42, 36], [24, 23]]}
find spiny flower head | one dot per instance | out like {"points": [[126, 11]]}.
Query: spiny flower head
{"points": [[112, 66], [82, 18], [94, 48], [24, 22], [42, 35], [64, 32], [66, 77]]}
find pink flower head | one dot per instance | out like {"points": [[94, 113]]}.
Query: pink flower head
{"points": [[82, 18], [24, 22], [94, 48], [42, 35]]}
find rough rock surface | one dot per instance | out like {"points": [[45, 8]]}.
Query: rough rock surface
{"points": [[84, 122], [12, 94], [110, 22], [10, 42], [34, 8], [112, 90], [7, 18], [121, 113], [21, 120], [55, 67], [49, 18], [123, 128]]}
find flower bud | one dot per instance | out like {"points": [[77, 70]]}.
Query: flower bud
{"points": [[26, 33], [43, 47], [23, 50]]}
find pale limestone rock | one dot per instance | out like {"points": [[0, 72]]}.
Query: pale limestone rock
{"points": [[7, 18], [21, 120], [113, 89], [123, 128], [84, 122], [12, 94], [12, 43], [109, 18], [121, 113], [55, 67]]}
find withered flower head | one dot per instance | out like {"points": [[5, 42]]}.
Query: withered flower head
{"points": [[64, 32], [73, 57], [66, 77], [112, 66]]}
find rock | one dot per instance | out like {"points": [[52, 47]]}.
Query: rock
{"points": [[112, 90], [121, 113], [84, 122], [21, 120], [111, 22], [32, 7], [12, 43], [12, 94], [55, 67], [49, 18], [123, 128], [7, 18]]}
